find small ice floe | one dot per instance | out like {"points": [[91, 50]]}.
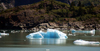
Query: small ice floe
{"points": [[92, 32], [70, 34], [83, 42], [13, 31], [47, 49], [4, 33]]}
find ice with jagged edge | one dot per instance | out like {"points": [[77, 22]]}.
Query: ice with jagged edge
{"points": [[51, 33], [84, 42]]}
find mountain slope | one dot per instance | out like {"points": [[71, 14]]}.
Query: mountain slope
{"points": [[6, 4], [29, 16]]}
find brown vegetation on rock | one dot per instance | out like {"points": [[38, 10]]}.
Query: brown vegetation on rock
{"points": [[61, 14]]}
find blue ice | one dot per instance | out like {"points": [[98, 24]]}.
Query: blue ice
{"points": [[92, 31], [51, 33]]}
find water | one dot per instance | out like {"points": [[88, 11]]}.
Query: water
{"points": [[19, 42]]}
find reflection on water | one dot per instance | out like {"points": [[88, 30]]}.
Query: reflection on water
{"points": [[47, 41]]}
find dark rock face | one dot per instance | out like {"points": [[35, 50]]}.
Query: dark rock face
{"points": [[5, 24]]}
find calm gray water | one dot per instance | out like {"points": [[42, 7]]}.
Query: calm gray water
{"points": [[19, 42]]}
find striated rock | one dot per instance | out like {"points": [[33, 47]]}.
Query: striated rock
{"points": [[4, 7], [6, 4]]}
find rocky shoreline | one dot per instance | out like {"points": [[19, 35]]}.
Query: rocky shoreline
{"points": [[66, 26]]}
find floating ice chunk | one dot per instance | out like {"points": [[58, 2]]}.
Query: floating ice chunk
{"points": [[34, 35], [51, 33], [61, 34], [83, 42], [92, 32], [4, 34]]}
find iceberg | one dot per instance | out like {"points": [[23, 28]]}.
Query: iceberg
{"points": [[83, 42], [51, 33]]}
